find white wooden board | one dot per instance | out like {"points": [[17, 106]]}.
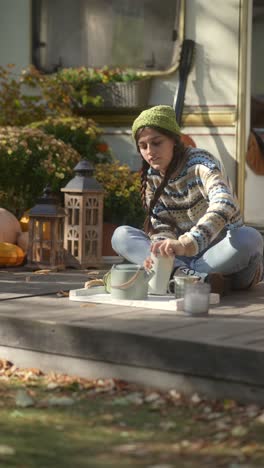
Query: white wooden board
{"points": [[98, 295]]}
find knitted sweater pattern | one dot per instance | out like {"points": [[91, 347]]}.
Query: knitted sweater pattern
{"points": [[196, 205]]}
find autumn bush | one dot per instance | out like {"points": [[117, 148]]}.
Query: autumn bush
{"points": [[30, 159], [31, 96], [122, 202], [84, 135], [41, 141]]}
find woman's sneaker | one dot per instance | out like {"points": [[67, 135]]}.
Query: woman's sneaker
{"points": [[220, 284], [185, 271]]}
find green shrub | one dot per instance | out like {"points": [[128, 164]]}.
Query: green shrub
{"points": [[88, 75], [30, 159], [82, 134], [18, 106], [81, 79], [31, 96], [46, 151], [122, 202]]}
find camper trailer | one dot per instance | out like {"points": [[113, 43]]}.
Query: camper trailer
{"points": [[223, 78]]}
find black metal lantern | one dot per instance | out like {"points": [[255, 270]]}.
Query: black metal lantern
{"points": [[46, 229], [83, 231]]}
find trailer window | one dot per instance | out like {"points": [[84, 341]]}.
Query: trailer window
{"points": [[140, 34]]}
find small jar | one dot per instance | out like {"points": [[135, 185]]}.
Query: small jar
{"points": [[197, 299], [178, 283]]}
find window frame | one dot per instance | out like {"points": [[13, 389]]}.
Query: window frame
{"points": [[36, 43]]}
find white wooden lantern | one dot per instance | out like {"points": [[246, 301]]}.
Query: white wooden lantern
{"points": [[46, 229], [83, 230]]}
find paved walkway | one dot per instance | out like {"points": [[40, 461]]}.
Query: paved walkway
{"points": [[221, 355]]}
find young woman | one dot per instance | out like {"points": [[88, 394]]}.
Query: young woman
{"points": [[192, 212]]}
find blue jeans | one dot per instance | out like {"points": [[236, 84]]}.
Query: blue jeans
{"points": [[237, 254]]}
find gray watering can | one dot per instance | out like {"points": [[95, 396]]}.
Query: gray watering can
{"points": [[128, 281]]}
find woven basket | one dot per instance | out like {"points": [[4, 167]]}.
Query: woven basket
{"points": [[120, 94]]}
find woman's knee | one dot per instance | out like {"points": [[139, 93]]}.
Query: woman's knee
{"points": [[120, 236], [247, 239], [131, 243]]}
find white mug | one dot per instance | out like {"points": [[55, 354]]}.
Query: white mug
{"points": [[162, 267], [178, 283]]}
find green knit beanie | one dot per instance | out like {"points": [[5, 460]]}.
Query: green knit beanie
{"points": [[158, 116]]}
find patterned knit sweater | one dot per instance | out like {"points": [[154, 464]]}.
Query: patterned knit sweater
{"points": [[197, 203]]}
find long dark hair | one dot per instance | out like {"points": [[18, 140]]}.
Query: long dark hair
{"points": [[176, 162]]}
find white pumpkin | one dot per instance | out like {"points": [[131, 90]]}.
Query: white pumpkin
{"points": [[22, 240], [9, 227]]}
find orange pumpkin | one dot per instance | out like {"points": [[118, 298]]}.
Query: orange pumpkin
{"points": [[11, 254]]}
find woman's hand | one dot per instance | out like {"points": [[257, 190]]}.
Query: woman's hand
{"points": [[168, 247], [148, 263]]}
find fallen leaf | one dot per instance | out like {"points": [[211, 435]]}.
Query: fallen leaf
{"points": [[195, 399], [135, 450], [52, 386], [62, 293], [122, 401], [207, 409], [16, 414], [260, 419], [108, 417], [167, 425], [185, 443], [152, 397], [7, 450], [125, 448], [60, 401], [4, 364], [239, 465], [239, 431], [42, 272], [212, 416], [103, 386], [135, 398], [121, 384], [220, 436], [252, 411], [93, 274], [4, 378], [229, 404], [23, 399], [221, 425], [88, 304], [157, 404], [160, 466], [94, 282], [32, 374], [174, 395], [122, 424]]}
